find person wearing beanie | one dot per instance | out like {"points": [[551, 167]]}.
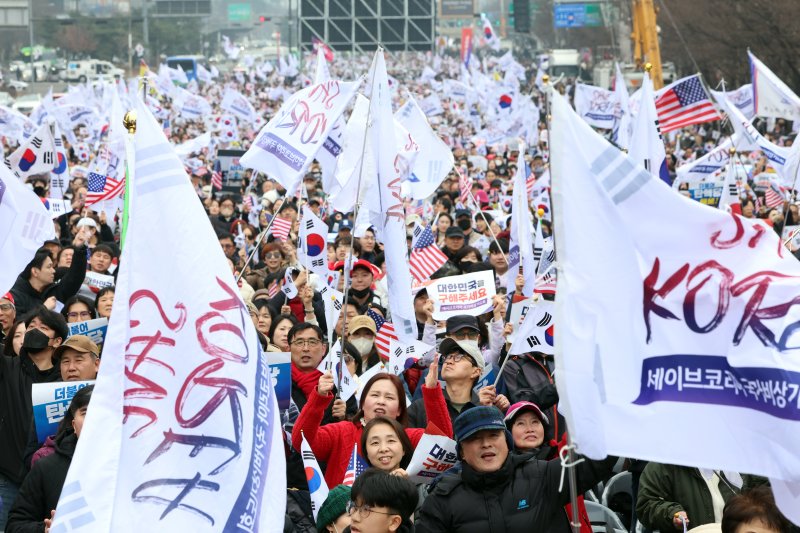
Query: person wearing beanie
{"points": [[497, 490], [332, 516]]}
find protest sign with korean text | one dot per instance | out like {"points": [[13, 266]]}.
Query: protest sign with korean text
{"points": [[50, 404], [433, 455], [468, 294]]}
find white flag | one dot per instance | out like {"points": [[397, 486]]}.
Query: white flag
{"points": [[312, 246], [595, 105], [24, 226], [750, 137], [286, 145], [707, 166], [237, 104], [773, 98], [321, 73], [623, 125], [59, 176], [742, 98], [434, 160], [647, 146], [402, 356], [385, 203], [37, 155], [289, 289], [692, 321], [184, 405], [522, 236], [536, 331], [317, 485]]}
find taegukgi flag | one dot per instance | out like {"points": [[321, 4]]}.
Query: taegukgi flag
{"points": [[686, 332], [183, 431]]}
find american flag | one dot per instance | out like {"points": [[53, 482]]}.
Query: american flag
{"points": [[216, 176], [683, 103], [281, 228], [384, 336], [773, 197], [464, 186], [355, 468], [530, 180], [102, 187], [426, 257], [248, 201], [272, 290]]}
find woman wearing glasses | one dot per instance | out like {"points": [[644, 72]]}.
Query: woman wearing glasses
{"points": [[382, 395], [78, 309]]}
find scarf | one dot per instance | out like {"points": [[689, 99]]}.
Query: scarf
{"points": [[306, 381]]}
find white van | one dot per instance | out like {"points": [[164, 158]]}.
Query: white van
{"points": [[92, 69]]}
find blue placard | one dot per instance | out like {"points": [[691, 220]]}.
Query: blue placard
{"points": [[280, 365], [94, 329], [50, 404]]}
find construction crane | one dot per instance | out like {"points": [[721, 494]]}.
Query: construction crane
{"points": [[645, 39]]}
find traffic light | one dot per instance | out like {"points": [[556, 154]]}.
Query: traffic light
{"points": [[262, 19], [522, 16]]}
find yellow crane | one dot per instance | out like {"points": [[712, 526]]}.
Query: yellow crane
{"points": [[645, 39]]}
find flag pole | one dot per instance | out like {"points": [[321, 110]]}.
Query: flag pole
{"points": [[256, 247], [348, 264], [568, 454], [129, 121], [488, 226]]}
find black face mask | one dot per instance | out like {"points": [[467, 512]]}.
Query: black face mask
{"points": [[359, 293], [464, 224], [35, 341]]}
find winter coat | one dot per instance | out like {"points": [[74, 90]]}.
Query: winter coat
{"points": [[667, 489], [417, 418], [17, 374], [523, 495], [27, 298], [333, 443], [40, 490]]}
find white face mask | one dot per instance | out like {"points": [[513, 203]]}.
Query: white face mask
{"points": [[363, 345]]}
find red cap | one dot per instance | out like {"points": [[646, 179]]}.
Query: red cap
{"points": [[8, 296]]}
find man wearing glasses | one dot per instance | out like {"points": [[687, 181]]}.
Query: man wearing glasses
{"points": [[8, 314], [462, 365], [308, 348], [381, 503]]}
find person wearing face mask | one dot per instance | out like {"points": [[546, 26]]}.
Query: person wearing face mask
{"points": [[361, 334], [227, 214], [382, 395], [464, 222], [35, 506], [362, 277], [44, 332]]}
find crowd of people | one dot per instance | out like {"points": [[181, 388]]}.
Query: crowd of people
{"points": [[508, 434]]}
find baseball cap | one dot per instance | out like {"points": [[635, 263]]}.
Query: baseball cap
{"points": [[10, 297], [346, 223], [463, 213], [455, 323], [360, 322], [363, 263], [86, 221], [477, 419], [521, 407], [470, 348], [454, 231], [79, 343]]}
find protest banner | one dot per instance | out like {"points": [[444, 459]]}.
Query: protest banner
{"points": [[706, 192], [433, 455], [50, 404], [95, 329], [280, 366], [98, 281], [468, 294]]}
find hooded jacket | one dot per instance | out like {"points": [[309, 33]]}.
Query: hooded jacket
{"points": [[523, 495], [40, 490]]}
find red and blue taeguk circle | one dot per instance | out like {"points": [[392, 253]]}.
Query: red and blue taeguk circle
{"points": [[315, 245]]}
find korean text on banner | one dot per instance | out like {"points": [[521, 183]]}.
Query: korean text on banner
{"points": [[280, 367], [285, 147], [50, 404], [468, 294], [433, 455]]}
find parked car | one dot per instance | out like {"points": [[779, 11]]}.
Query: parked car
{"points": [[91, 69], [26, 103]]}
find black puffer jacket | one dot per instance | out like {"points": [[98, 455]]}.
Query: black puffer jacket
{"points": [[522, 496], [40, 490]]}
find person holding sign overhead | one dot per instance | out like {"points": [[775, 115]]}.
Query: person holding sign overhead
{"points": [[383, 395]]}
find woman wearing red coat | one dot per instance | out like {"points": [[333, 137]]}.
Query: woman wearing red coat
{"points": [[383, 395]]}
